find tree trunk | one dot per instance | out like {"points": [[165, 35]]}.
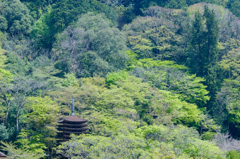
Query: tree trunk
{"points": [[17, 126], [6, 115]]}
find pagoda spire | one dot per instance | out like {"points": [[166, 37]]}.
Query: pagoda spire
{"points": [[72, 106], [71, 125]]}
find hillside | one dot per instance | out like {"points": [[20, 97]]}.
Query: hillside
{"points": [[154, 79]]}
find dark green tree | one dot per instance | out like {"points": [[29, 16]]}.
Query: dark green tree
{"points": [[196, 47], [234, 7], [211, 69], [64, 13], [204, 51], [176, 4], [3, 132], [15, 17]]}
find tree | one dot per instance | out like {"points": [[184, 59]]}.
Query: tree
{"points": [[40, 120], [233, 6], [4, 133], [41, 30], [5, 75], [5, 90], [204, 51], [144, 142], [62, 14], [176, 4], [17, 16], [156, 34], [197, 45], [90, 47], [166, 75], [6, 97], [38, 7], [14, 152], [21, 89], [225, 142]]}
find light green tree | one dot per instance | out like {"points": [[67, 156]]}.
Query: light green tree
{"points": [[40, 121], [14, 152]]}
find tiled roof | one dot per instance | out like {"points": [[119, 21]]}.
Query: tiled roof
{"points": [[2, 154], [73, 118]]}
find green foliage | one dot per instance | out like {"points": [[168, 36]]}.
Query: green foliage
{"points": [[152, 105], [73, 8], [37, 7], [14, 152], [122, 146], [230, 63], [123, 98], [16, 65], [4, 74], [3, 23], [177, 4], [141, 5], [40, 123], [15, 17], [233, 100], [167, 75], [233, 155], [203, 51], [3, 58], [91, 47], [64, 13], [141, 72], [154, 36], [208, 135], [205, 55], [113, 77], [4, 133], [132, 60], [146, 142], [181, 139], [33, 144], [41, 30], [233, 6], [150, 63], [42, 68], [42, 111], [70, 80], [227, 106]]}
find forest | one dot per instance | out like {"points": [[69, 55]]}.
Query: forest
{"points": [[156, 79]]}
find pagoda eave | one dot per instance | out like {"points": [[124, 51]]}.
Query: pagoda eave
{"points": [[75, 129], [74, 132], [68, 121], [73, 125]]}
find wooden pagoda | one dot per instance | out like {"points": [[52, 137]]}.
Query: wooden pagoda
{"points": [[71, 125]]}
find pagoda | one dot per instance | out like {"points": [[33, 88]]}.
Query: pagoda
{"points": [[71, 125]]}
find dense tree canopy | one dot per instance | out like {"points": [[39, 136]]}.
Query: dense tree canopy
{"points": [[154, 78], [15, 17], [91, 47]]}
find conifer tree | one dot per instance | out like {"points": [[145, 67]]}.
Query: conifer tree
{"points": [[196, 46], [204, 51], [211, 69]]}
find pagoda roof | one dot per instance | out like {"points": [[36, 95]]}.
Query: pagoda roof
{"points": [[73, 118], [73, 125], [75, 132], [74, 129], [2, 154]]}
